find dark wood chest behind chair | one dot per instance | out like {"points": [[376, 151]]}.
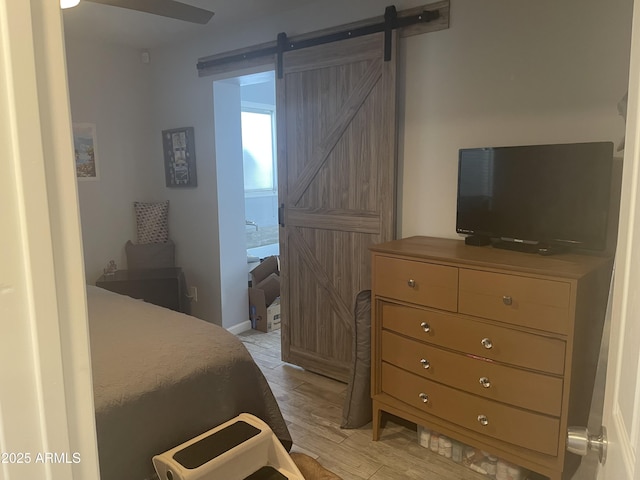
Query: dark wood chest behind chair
{"points": [[165, 287]]}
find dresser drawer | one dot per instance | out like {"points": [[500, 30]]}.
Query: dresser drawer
{"points": [[417, 282], [530, 302], [521, 388], [469, 336], [509, 424]]}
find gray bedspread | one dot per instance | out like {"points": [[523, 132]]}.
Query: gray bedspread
{"points": [[161, 378]]}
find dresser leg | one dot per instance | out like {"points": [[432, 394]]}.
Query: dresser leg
{"points": [[377, 418]]}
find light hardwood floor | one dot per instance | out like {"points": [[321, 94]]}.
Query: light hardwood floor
{"points": [[312, 407]]}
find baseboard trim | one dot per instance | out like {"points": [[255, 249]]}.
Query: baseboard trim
{"points": [[240, 327]]}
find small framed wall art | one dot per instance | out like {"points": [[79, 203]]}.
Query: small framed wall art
{"points": [[179, 157], [86, 151]]}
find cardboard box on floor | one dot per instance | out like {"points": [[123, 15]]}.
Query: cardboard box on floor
{"points": [[264, 295]]}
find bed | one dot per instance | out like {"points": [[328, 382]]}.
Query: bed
{"points": [[161, 378]]}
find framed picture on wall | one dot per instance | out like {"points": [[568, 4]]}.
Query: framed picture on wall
{"points": [[179, 157], [86, 151]]}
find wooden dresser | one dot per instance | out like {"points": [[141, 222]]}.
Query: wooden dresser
{"points": [[165, 287], [495, 348]]}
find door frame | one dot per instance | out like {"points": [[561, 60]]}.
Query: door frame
{"points": [[624, 461], [36, 69], [46, 400], [235, 282]]}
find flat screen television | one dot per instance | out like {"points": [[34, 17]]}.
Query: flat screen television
{"points": [[544, 196]]}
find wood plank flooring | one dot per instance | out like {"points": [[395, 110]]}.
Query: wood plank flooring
{"points": [[312, 407]]}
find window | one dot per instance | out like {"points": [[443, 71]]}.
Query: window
{"points": [[258, 148]]}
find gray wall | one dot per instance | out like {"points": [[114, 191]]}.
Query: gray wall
{"points": [[505, 73], [110, 88]]}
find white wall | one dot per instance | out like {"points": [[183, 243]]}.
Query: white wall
{"points": [[180, 99], [504, 73], [262, 92], [233, 253], [109, 87], [262, 209]]}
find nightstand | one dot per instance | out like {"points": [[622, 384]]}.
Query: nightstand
{"points": [[165, 287]]}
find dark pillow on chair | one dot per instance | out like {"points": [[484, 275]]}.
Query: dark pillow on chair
{"points": [[358, 408], [150, 255]]}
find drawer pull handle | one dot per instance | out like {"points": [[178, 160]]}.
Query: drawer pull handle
{"points": [[484, 381], [425, 326], [411, 283], [424, 397], [507, 300], [425, 363], [487, 343], [484, 421]]}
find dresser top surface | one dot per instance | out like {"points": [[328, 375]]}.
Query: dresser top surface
{"points": [[445, 250]]}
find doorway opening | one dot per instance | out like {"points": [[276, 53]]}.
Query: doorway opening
{"points": [[258, 125], [246, 170]]}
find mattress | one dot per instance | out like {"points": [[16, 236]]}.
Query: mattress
{"points": [[161, 378]]}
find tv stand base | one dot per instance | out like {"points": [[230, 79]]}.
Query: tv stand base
{"points": [[539, 248], [477, 240]]}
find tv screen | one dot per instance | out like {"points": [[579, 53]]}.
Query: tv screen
{"points": [[536, 194]]}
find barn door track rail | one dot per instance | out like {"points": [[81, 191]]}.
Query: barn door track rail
{"points": [[392, 20]]}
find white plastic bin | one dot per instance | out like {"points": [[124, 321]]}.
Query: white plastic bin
{"points": [[232, 451]]}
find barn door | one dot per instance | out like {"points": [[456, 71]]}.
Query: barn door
{"points": [[336, 112]]}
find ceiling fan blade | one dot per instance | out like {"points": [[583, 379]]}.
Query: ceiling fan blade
{"points": [[165, 8]]}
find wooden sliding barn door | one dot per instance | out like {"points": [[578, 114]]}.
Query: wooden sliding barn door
{"points": [[336, 107]]}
